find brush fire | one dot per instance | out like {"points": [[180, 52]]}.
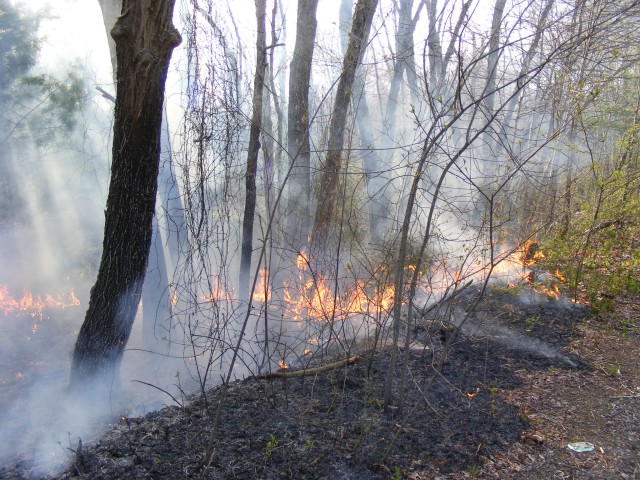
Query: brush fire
{"points": [[307, 295], [528, 255], [34, 306]]}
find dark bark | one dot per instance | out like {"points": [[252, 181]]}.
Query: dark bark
{"points": [[156, 289], [375, 178], [254, 149], [145, 38], [327, 196], [298, 144]]}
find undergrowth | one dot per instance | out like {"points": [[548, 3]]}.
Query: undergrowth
{"points": [[599, 252]]}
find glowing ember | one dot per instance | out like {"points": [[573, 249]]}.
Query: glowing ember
{"points": [[282, 365], [33, 306]]}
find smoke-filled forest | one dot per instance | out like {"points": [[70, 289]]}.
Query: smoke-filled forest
{"points": [[352, 239]]}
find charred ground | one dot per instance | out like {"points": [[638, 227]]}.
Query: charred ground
{"points": [[498, 409]]}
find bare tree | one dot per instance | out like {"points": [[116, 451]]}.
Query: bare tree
{"points": [[328, 189], [145, 39], [299, 120], [169, 214], [253, 151]]}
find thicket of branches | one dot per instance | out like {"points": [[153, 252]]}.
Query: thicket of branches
{"points": [[466, 132]]}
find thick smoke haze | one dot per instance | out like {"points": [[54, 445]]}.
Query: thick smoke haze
{"points": [[455, 155], [50, 250]]}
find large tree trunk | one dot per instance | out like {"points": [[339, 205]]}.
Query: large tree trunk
{"points": [[254, 149], [375, 178], [169, 216], [327, 197], [299, 215], [145, 38]]}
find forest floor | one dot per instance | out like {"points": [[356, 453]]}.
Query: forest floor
{"points": [[522, 381]]}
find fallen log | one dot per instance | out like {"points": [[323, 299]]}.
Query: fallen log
{"points": [[310, 371]]}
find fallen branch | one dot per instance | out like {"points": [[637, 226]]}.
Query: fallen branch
{"points": [[162, 390], [310, 371]]}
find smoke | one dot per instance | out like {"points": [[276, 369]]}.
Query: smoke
{"points": [[485, 325], [50, 241]]}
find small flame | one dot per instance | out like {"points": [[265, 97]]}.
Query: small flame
{"points": [[174, 298], [282, 365], [530, 253], [559, 276], [219, 292], [263, 292], [302, 261]]}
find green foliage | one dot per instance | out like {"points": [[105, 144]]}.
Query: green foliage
{"points": [[63, 100], [531, 322], [599, 254], [272, 444], [36, 105], [19, 45], [396, 474]]}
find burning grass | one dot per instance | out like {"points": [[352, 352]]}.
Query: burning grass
{"points": [[34, 305]]}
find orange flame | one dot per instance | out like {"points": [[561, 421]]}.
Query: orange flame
{"points": [[530, 253], [34, 306], [559, 276], [282, 365], [302, 261], [219, 292], [317, 300], [263, 292], [174, 298]]}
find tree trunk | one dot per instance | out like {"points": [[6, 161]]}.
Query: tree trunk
{"points": [[375, 178], [299, 216], [170, 214], [145, 38], [492, 72], [327, 196], [254, 149]]}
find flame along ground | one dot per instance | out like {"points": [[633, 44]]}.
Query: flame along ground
{"points": [[308, 296], [313, 297], [34, 306]]}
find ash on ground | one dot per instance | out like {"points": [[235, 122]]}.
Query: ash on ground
{"points": [[333, 425]]}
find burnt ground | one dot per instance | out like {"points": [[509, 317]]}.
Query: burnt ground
{"points": [[502, 407]]}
